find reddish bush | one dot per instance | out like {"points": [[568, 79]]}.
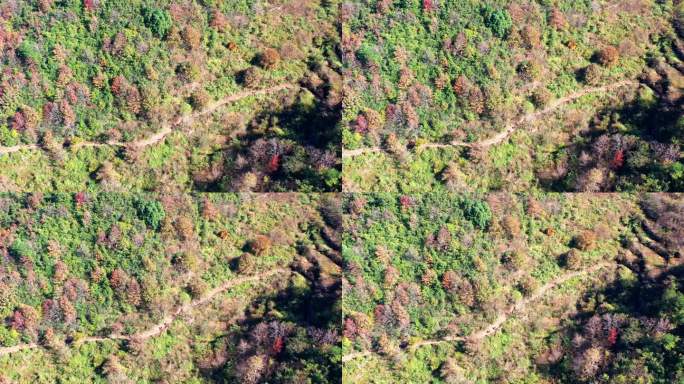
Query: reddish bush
{"points": [[68, 310], [89, 5], [361, 124], [278, 345], [133, 100], [443, 238], [218, 20], [18, 122], [573, 259], [273, 164], [476, 100], [428, 277], [531, 36], [18, 321], [118, 279], [68, 114], [118, 86], [391, 276], [199, 99], [80, 198], [350, 329], [209, 210], [61, 271], [406, 202], [592, 74], [618, 159], [461, 86], [557, 19], [118, 44], [449, 280]]}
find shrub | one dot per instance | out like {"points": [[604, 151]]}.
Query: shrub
{"points": [[246, 263], [584, 241], [450, 281], [185, 227], [530, 70], [511, 225], [528, 285], [592, 74], [250, 77], [531, 36], [199, 99], [218, 20], [608, 56], [269, 58], [260, 245], [541, 97], [191, 37], [557, 19], [27, 51], [573, 259], [45, 5], [515, 260], [189, 72]]}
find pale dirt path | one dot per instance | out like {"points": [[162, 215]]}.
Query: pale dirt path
{"points": [[17, 348], [352, 356], [17, 148], [161, 326], [166, 128], [233, 98], [510, 127], [502, 317]]}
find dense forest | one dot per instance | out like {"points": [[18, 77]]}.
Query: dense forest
{"points": [[463, 95], [169, 95], [513, 289], [114, 288]]}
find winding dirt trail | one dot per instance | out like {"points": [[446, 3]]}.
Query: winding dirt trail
{"points": [[167, 128], [17, 348], [162, 325], [17, 148], [510, 127], [502, 317]]}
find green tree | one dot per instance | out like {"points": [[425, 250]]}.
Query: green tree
{"points": [[158, 20], [477, 212], [498, 20], [151, 211]]}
